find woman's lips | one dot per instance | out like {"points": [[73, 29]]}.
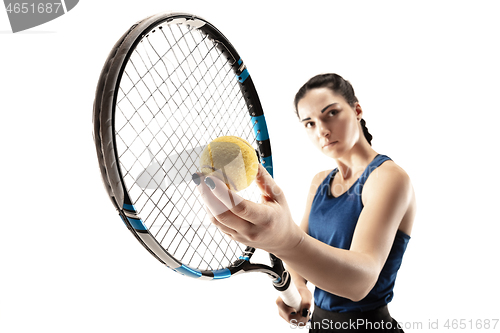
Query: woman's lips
{"points": [[329, 144]]}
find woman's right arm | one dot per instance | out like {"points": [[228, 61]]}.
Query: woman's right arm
{"points": [[285, 311]]}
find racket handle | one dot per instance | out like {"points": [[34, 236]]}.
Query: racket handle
{"points": [[289, 293], [291, 297]]}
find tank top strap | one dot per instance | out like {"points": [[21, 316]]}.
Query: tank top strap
{"points": [[377, 161]]}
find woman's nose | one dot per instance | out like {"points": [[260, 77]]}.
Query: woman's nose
{"points": [[323, 131]]}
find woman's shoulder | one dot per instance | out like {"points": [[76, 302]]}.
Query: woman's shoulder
{"points": [[389, 168], [388, 175], [393, 183]]}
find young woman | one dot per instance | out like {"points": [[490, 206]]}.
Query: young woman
{"points": [[356, 225]]}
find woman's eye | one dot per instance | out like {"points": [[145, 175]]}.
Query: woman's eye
{"points": [[333, 112], [309, 124]]}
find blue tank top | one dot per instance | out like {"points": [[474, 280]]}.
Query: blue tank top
{"points": [[332, 220]]}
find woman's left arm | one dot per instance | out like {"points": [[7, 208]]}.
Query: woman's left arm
{"points": [[347, 273], [352, 273]]}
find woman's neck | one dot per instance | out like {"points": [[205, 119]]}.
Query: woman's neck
{"points": [[354, 162]]}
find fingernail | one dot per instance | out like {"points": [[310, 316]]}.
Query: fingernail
{"points": [[304, 312], [210, 183], [196, 179]]}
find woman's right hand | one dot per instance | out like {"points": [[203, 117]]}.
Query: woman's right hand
{"points": [[301, 317]]}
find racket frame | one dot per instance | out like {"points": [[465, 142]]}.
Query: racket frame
{"points": [[104, 138]]}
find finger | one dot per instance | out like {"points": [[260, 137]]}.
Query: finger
{"points": [[290, 314], [221, 215], [287, 310], [284, 310], [215, 206], [223, 228], [303, 313], [225, 195], [268, 186], [245, 209], [306, 298]]}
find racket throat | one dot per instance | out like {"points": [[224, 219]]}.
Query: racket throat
{"points": [[282, 275]]}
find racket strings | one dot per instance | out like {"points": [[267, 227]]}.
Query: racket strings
{"points": [[192, 91], [178, 92]]}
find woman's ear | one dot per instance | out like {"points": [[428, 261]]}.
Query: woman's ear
{"points": [[359, 111]]}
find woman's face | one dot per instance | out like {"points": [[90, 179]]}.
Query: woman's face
{"points": [[331, 124]]}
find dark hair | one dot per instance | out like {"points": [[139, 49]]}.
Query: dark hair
{"points": [[336, 84]]}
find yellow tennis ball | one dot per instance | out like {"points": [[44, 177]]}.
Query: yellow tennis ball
{"points": [[232, 160]]}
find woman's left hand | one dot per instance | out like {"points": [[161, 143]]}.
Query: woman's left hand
{"points": [[267, 225]]}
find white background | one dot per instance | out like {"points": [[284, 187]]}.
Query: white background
{"points": [[426, 73]]}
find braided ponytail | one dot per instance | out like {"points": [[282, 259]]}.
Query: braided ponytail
{"points": [[367, 134]]}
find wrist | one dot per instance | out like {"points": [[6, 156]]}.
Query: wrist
{"points": [[291, 244]]}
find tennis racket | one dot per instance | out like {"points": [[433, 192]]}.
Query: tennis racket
{"points": [[171, 84]]}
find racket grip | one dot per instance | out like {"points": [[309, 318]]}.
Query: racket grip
{"points": [[289, 293]]}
